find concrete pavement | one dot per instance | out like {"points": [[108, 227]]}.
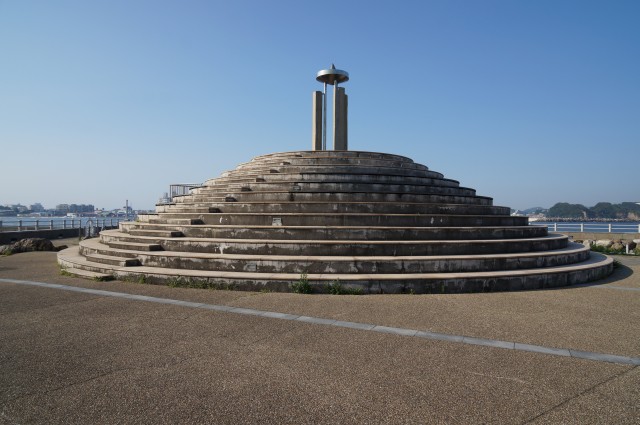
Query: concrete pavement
{"points": [[73, 357]]}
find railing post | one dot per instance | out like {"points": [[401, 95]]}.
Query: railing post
{"points": [[51, 225], [37, 226], [555, 227], [19, 225], [64, 223], [609, 227]]}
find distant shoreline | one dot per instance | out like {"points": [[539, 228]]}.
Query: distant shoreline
{"points": [[584, 220]]}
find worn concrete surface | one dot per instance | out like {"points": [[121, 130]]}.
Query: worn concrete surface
{"points": [[69, 357]]}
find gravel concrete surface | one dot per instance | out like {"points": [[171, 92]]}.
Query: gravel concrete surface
{"points": [[70, 357]]}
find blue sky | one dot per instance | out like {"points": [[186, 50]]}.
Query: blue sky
{"points": [[529, 102]]}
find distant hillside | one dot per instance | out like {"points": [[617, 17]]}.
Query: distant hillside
{"points": [[605, 210], [535, 210]]}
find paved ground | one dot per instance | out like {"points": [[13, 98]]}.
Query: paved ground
{"points": [[73, 357]]}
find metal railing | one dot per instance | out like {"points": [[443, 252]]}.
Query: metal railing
{"points": [[58, 223], [591, 227], [182, 189]]}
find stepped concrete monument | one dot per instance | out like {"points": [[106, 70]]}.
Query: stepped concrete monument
{"points": [[372, 222]]}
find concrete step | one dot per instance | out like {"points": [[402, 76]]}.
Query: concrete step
{"points": [[337, 169], [597, 267], [191, 208], [328, 161], [358, 264], [338, 207], [163, 219], [87, 274], [71, 259], [345, 219], [355, 248], [113, 260], [144, 218], [336, 196], [347, 233], [328, 186], [354, 217], [330, 177], [286, 156], [134, 246], [137, 231]]}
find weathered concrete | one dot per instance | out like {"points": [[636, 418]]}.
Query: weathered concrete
{"points": [[340, 131], [316, 121], [378, 222], [9, 237], [581, 236], [343, 233]]}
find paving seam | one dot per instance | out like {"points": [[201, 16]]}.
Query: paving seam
{"points": [[576, 396], [605, 286], [508, 345]]}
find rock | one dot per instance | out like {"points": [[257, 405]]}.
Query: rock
{"points": [[604, 242], [6, 250], [587, 243], [617, 246], [632, 245], [32, 244]]}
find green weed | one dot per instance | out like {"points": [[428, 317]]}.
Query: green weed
{"points": [[336, 288], [189, 282], [302, 286]]}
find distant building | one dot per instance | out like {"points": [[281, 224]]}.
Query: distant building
{"points": [[64, 209], [164, 199]]}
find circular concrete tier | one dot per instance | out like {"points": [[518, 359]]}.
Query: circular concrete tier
{"points": [[375, 222]]}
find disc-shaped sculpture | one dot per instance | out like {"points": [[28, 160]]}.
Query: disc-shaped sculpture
{"points": [[332, 75]]}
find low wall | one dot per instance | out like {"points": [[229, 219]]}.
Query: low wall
{"points": [[9, 237], [581, 236]]}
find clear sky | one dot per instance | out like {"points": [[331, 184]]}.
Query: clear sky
{"points": [[529, 102]]}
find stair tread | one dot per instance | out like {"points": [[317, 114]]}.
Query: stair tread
{"points": [[138, 244], [555, 236], [88, 274], [572, 248], [596, 260]]}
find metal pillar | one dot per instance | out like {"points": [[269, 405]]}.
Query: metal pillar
{"points": [[334, 76], [324, 118], [317, 142], [340, 120]]}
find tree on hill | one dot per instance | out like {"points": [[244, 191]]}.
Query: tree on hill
{"points": [[605, 210], [630, 210], [566, 210], [602, 210]]}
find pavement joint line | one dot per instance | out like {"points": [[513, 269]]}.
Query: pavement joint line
{"points": [[489, 342], [605, 286], [564, 352]]}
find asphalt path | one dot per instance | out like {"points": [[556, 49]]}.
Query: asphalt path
{"points": [[88, 357]]}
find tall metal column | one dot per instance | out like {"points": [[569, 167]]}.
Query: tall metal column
{"points": [[335, 76], [324, 118], [340, 123], [317, 122]]}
